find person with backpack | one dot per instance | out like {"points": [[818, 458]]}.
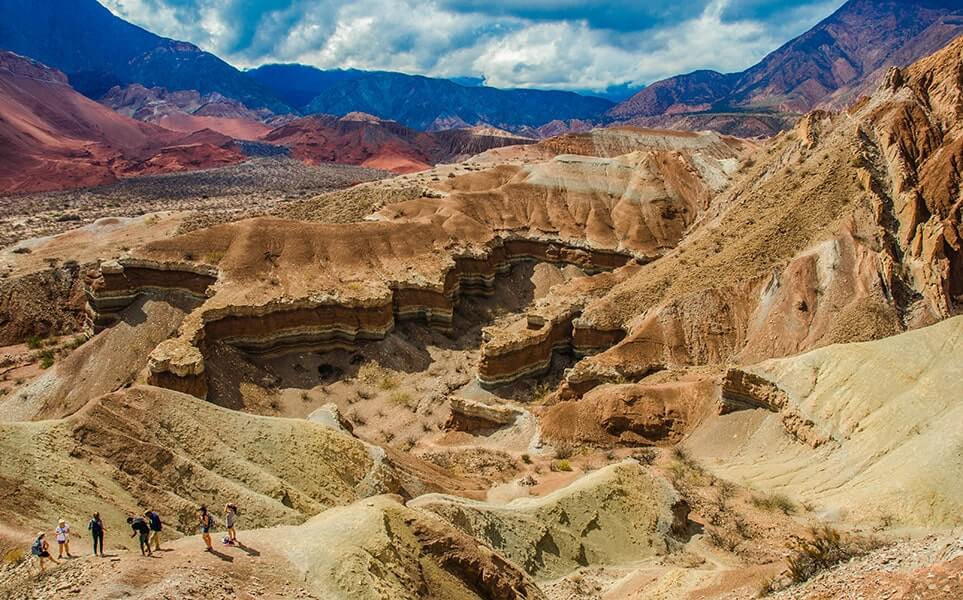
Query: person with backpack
{"points": [[63, 539], [97, 529], [207, 525], [154, 521], [230, 518], [41, 549], [142, 530]]}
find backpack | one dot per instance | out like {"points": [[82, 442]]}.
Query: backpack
{"points": [[37, 548]]}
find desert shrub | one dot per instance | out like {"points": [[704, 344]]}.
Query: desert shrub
{"points": [[34, 342], [822, 551], [564, 450], [214, 256], [526, 459], [774, 502], [541, 391], [387, 383], [726, 491], [388, 435], [646, 456], [14, 556], [721, 539], [46, 359], [561, 465], [400, 398]]}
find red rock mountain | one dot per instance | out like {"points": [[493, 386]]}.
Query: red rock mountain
{"points": [[189, 111], [52, 137], [842, 57], [362, 139]]}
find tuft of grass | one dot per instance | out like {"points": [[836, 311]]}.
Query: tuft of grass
{"points": [[387, 383], [774, 502], [214, 256], [526, 459], [400, 398], [46, 358], [561, 465], [34, 342]]}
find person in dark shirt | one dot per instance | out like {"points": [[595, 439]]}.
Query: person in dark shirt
{"points": [[154, 520], [141, 529], [97, 529], [207, 525]]}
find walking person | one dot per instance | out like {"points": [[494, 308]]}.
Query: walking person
{"points": [[142, 531], [154, 521], [41, 549], [63, 539], [207, 524], [97, 529], [230, 518]]}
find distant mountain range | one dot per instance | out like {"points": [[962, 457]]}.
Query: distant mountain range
{"points": [[829, 65], [180, 86], [52, 137]]}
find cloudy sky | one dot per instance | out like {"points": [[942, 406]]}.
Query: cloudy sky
{"points": [[562, 44]]}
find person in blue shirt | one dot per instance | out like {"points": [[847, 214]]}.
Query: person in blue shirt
{"points": [[154, 521]]}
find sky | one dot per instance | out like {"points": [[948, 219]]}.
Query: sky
{"points": [[587, 45]]}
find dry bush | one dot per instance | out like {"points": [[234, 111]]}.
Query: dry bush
{"points": [[721, 539], [400, 398], [774, 502], [561, 465], [824, 548], [564, 450]]}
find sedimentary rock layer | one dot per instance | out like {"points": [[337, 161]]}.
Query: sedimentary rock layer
{"points": [[330, 321]]}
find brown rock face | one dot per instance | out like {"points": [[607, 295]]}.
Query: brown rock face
{"points": [[631, 414], [358, 139], [848, 229]]}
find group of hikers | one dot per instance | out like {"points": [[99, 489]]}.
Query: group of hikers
{"points": [[147, 528]]}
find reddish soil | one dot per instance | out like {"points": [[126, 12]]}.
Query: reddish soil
{"points": [[51, 137]]}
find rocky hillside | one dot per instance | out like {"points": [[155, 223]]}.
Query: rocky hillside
{"points": [[52, 137], [829, 65], [362, 139]]}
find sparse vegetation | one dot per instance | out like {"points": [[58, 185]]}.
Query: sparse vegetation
{"points": [[34, 342], [823, 549], [46, 358], [561, 465], [774, 502], [400, 398], [564, 450]]}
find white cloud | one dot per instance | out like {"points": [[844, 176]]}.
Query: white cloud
{"points": [[429, 38]]}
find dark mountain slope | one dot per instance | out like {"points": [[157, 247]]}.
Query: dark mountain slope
{"points": [[98, 50], [423, 102], [830, 64]]}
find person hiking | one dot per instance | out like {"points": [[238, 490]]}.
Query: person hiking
{"points": [[230, 518], [154, 520], [97, 529], [41, 549], [63, 539], [142, 530], [207, 524]]}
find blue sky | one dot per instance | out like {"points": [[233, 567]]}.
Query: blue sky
{"points": [[560, 44]]}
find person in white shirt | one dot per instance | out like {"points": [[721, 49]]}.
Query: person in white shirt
{"points": [[63, 539]]}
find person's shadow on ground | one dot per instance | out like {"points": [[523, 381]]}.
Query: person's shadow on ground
{"points": [[222, 556]]}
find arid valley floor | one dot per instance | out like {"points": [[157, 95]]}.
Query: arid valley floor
{"points": [[624, 363]]}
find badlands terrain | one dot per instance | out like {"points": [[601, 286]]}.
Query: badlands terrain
{"points": [[620, 363]]}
